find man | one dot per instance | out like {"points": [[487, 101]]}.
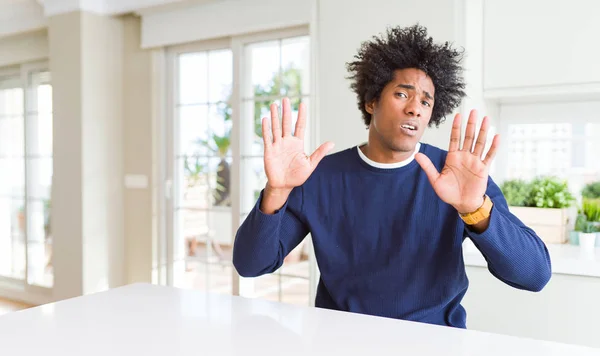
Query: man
{"points": [[388, 218]]}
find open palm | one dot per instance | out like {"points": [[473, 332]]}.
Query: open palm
{"points": [[286, 164], [463, 180]]}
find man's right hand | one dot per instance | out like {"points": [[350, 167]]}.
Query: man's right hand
{"points": [[286, 164]]}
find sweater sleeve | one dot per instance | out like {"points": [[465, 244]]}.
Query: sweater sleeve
{"points": [[514, 252], [264, 240]]}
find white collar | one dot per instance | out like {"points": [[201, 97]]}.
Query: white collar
{"points": [[388, 165]]}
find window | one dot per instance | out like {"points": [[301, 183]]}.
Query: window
{"points": [[26, 179], [202, 208], [545, 139], [209, 97], [276, 69]]}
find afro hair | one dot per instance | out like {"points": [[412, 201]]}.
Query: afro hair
{"points": [[401, 48]]}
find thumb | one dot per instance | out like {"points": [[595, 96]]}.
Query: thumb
{"points": [[320, 152], [430, 170]]}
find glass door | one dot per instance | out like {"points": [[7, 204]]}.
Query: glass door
{"points": [[12, 180], [26, 180], [200, 216], [220, 92], [271, 70]]}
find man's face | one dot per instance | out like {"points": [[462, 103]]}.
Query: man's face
{"points": [[403, 111]]}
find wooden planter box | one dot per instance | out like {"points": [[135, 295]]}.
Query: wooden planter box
{"points": [[551, 225]]}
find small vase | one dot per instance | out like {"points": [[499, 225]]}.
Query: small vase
{"points": [[587, 241], [574, 238]]}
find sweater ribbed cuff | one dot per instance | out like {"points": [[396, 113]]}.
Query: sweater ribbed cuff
{"points": [[268, 218]]}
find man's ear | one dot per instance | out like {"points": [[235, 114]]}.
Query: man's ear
{"points": [[370, 106]]}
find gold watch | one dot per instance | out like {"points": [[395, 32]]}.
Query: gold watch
{"points": [[480, 214]]}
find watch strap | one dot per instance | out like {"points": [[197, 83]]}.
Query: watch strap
{"points": [[482, 213]]}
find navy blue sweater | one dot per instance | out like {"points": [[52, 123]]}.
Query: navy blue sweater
{"points": [[385, 243]]}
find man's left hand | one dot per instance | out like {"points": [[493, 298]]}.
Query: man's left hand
{"points": [[463, 180]]}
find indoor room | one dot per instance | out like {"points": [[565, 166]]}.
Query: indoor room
{"points": [[139, 160]]}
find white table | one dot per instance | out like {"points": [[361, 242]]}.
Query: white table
{"points": [[149, 320], [566, 259]]}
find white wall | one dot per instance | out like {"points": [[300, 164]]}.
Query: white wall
{"points": [[137, 153], [541, 43], [567, 310], [221, 19], [87, 199], [21, 17], [340, 33], [23, 48], [102, 127], [66, 220]]}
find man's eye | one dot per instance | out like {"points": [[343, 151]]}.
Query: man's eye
{"points": [[426, 103], [401, 94]]}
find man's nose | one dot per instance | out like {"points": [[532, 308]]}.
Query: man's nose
{"points": [[413, 108]]}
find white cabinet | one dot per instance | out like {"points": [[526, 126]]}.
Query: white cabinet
{"points": [[540, 44]]}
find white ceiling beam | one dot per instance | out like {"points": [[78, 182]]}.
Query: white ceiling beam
{"points": [[104, 7], [20, 17], [57, 7]]}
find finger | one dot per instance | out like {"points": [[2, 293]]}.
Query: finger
{"points": [[481, 137], [319, 153], [455, 134], [301, 122], [286, 120], [470, 132], [268, 140], [489, 157], [430, 170], [275, 123]]}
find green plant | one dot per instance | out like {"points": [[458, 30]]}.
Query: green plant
{"points": [[516, 192], [591, 190], [582, 224], [550, 192], [591, 209], [588, 228], [193, 170]]}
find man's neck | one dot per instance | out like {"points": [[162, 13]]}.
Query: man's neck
{"points": [[379, 154]]}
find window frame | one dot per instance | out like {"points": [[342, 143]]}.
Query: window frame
{"points": [[23, 72], [532, 115], [237, 45]]}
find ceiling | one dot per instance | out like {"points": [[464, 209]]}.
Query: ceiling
{"points": [[19, 16]]}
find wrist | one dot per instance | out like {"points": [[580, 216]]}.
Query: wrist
{"points": [[277, 192], [273, 199], [479, 218], [470, 207]]}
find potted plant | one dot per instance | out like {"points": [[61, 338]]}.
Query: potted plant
{"points": [[591, 191], [590, 209], [220, 145], [516, 192], [586, 232], [544, 204]]}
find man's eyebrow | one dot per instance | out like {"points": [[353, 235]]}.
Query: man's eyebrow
{"points": [[406, 86], [411, 87]]}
